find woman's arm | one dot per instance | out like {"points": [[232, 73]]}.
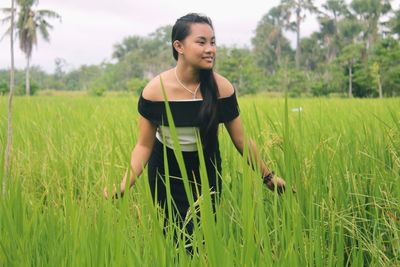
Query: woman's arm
{"points": [[235, 130], [140, 154], [142, 151]]}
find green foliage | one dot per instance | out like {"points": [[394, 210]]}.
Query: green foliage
{"points": [[136, 85], [97, 89], [319, 88], [363, 85], [349, 30], [238, 66], [4, 88], [351, 54], [144, 56], [270, 45], [116, 76], [334, 80], [296, 11], [297, 83], [292, 80], [394, 23], [312, 54], [87, 75], [20, 89], [139, 58], [385, 56]]}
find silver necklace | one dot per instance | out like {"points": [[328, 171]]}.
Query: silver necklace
{"points": [[194, 93]]}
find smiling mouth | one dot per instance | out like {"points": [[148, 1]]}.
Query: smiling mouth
{"points": [[208, 58]]}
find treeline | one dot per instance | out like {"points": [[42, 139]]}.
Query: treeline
{"points": [[355, 52]]}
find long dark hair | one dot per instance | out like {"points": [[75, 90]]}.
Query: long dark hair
{"points": [[208, 118]]}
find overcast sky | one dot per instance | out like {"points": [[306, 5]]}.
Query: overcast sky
{"points": [[90, 28]]}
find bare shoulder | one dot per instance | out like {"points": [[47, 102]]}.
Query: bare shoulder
{"points": [[224, 85], [152, 91]]}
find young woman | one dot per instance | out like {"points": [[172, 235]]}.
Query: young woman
{"points": [[199, 99]]}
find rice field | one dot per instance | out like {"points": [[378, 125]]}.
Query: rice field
{"points": [[342, 156]]}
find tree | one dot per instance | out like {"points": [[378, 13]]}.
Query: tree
{"points": [[348, 58], [29, 23], [127, 45], [376, 75], [269, 43], [369, 13], [312, 53], [10, 95], [237, 64], [338, 8], [385, 68], [276, 17], [59, 70], [333, 11], [394, 24], [298, 7], [58, 79], [153, 51], [349, 30], [88, 74]]}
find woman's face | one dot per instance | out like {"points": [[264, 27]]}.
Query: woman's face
{"points": [[198, 48]]}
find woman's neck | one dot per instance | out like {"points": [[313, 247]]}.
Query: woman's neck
{"points": [[187, 74]]}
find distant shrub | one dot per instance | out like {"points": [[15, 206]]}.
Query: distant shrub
{"points": [[21, 90], [3, 88], [136, 85], [319, 89], [97, 89], [297, 82]]}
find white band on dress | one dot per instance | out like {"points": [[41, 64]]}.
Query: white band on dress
{"points": [[186, 137]]}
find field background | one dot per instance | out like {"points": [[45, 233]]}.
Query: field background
{"points": [[341, 155]]}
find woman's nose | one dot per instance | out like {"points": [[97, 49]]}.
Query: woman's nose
{"points": [[210, 48]]}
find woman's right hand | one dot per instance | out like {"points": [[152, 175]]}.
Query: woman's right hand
{"points": [[276, 182], [114, 191]]}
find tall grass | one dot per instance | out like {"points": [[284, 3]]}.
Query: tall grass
{"points": [[342, 156]]}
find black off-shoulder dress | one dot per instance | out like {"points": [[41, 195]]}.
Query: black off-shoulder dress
{"points": [[185, 114]]}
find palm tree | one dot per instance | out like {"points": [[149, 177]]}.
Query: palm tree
{"points": [[276, 17], [369, 12], [350, 55], [349, 31], [9, 124], [311, 52], [127, 45], [338, 8], [394, 23], [328, 34], [269, 42], [29, 23], [332, 12], [298, 6]]}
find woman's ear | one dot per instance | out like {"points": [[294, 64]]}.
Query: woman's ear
{"points": [[178, 46]]}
